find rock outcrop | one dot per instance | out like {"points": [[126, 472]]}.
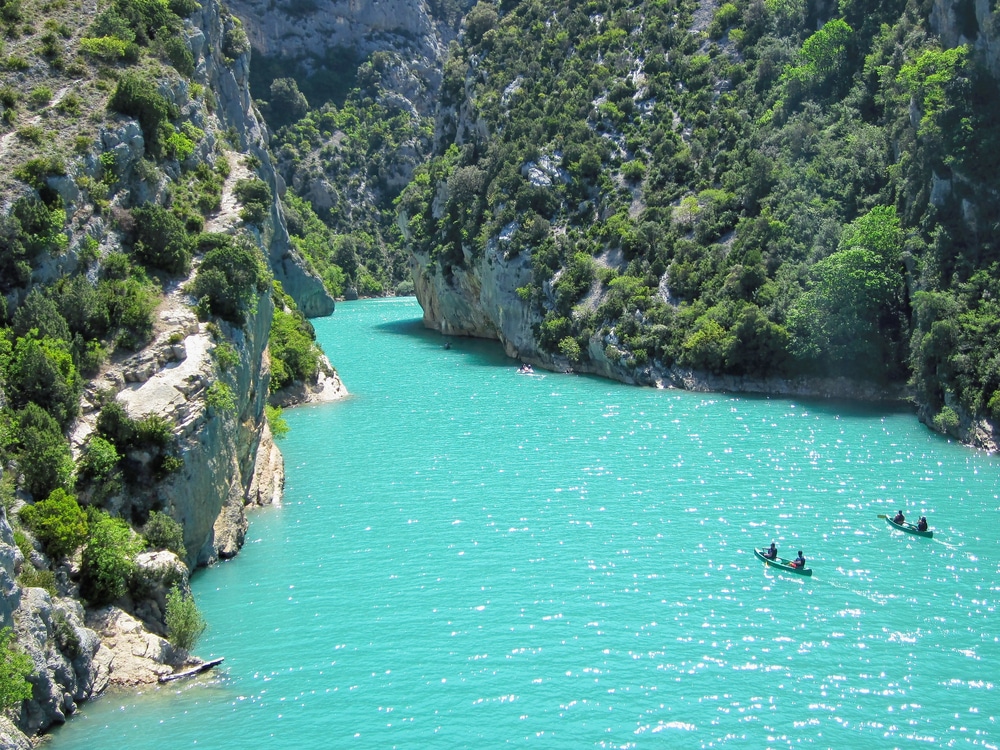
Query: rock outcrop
{"points": [[227, 457]]}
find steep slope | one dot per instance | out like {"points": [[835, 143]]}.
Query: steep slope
{"points": [[139, 237], [787, 197]]}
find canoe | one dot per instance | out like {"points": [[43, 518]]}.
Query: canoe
{"points": [[909, 528], [782, 563]]}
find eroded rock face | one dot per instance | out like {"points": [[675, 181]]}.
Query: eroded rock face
{"points": [[982, 34], [63, 649], [301, 29]]}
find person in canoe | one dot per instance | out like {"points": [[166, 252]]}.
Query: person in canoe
{"points": [[899, 518], [771, 553], [525, 369], [798, 562], [922, 524]]}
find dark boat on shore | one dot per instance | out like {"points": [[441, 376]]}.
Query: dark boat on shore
{"points": [[782, 563], [909, 528]]}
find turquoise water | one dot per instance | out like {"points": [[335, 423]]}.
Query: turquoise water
{"points": [[467, 557]]}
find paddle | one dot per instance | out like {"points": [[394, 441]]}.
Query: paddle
{"points": [[881, 515]]}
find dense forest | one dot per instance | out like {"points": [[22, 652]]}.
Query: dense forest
{"points": [[765, 187]]}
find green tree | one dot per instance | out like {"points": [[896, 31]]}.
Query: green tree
{"points": [[42, 453], [163, 532], [42, 371], [161, 239], [841, 319], [15, 668], [59, 523], [108, 559], [231, 277], [185, 623]]}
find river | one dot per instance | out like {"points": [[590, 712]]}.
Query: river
{"points": [[468, 557]]}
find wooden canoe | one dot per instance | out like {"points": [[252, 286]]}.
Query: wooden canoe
{"points": [[782, 563], [909, 528]]}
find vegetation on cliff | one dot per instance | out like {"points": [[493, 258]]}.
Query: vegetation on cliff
{"points": [[756, 187], [117, 160]]}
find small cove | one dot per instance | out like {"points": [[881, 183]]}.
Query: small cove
{"points": [[467, 557]]}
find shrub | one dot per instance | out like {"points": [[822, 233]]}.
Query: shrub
{"points": [[59, 523], [42, 371], [279, 427], [226, 355], [220, 398], [161, 240], [104, 47], [184, 622], [15, 668], [256, 197], [163, 532], [40, 96], [138, 97], [32, 578], [235, 42], [99, 458], [109, 559], [946, 421], [230, 278], [294, 355]]}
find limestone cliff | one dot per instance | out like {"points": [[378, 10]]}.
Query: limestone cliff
{"points": [[227, 456]]}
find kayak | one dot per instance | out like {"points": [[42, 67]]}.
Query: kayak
{"points": [[909, 528], [782, 563]]}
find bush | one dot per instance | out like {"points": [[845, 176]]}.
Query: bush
{"points": [[42, 371], [230, 278], [294, 355], [163, 532], [138, 97], [109, 559], [184, 622], [220, 398], [15, 668], [161, 240], [279, 427], [256, 197], [32, 578], [43, 456], [59, 523], [99, 458]]}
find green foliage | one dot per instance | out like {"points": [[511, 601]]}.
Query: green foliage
{"points": [[15, 668], [256, 197], [279, 427], [98, 458], [108, 559], [58, 522], [294, 354], [163, 532], [231, 277], [138, 97], [105, 47], [42, 453], [226, 356], [220, 398], [185, 623], [161, 239], [41, 371]]}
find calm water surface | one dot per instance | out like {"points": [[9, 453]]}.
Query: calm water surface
{"points": [[467, 557]]}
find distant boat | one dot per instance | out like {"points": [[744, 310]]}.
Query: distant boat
{"points": [[525, 369], [909, 528], [781, 562]]}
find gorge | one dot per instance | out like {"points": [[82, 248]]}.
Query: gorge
{"points": [[785, 198]]}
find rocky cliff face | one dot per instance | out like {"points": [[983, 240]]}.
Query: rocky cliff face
{"points": [[228, 457], [972, 22], [307, 31]]}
